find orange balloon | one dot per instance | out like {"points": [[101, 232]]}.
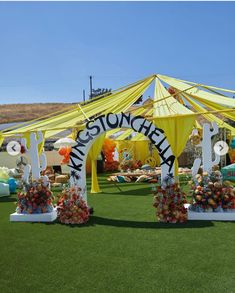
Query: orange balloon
{"points": [[69, 149], [108, 149], [67, 156], [62, 151], [65, 161]]}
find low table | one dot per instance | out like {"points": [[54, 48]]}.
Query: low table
{"points": [[132, 174]]}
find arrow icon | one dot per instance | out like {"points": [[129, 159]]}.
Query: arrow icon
{"points": [[13, 148], [221, 148]]}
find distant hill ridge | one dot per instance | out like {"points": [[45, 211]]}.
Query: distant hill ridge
{"points": [[25, 112]]}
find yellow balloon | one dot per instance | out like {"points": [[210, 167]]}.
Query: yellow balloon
{"points": [[151, 161]]}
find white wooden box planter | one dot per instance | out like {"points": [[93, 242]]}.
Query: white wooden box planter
{"points": [[44, 217], [210, 216]]}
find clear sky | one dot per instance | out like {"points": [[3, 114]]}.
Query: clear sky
{"points": [[48, 50]]}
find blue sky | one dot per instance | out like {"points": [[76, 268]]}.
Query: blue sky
{"points": [[49, 49]]}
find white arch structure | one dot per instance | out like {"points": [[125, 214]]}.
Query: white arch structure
{"points": [[94, 128]]}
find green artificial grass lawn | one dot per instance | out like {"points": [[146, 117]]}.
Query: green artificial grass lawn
{"points": [[121, 249]]}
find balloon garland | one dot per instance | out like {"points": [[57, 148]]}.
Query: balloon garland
{"points": [[65, 151], [108, 150]]}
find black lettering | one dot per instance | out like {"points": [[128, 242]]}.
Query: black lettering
{"points": [[133, 120], [114, 125], [85, 141], [127, 118], [80, 152], [75, 166], [169, 162], [143, 126], [154, 132], [159, 144], [161, 154], [96, 127], [79, 144], [100, 118], [72, 154]]}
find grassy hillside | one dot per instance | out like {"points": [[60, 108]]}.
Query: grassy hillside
{"points": [[24, 112]]}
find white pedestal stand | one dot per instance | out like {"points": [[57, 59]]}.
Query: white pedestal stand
{"points": [[44, 217], [210, 216]]}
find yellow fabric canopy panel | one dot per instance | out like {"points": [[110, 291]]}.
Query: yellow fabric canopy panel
{"points": [[168, 112]]}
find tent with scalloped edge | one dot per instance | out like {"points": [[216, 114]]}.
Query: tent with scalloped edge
{"points": [[176, 106]]}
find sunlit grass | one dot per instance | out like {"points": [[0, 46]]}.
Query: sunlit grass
{"points": [[121, 249]]}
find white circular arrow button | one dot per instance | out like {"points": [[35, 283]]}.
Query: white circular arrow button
{"points": [[221, 148], [13, 148]]}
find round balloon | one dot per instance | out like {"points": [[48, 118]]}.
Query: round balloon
{"points": [[63, 151], [12, 185], [151, 161], [232, 144]]}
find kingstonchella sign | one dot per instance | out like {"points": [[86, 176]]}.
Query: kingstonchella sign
{"points": [[94, 128]]}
